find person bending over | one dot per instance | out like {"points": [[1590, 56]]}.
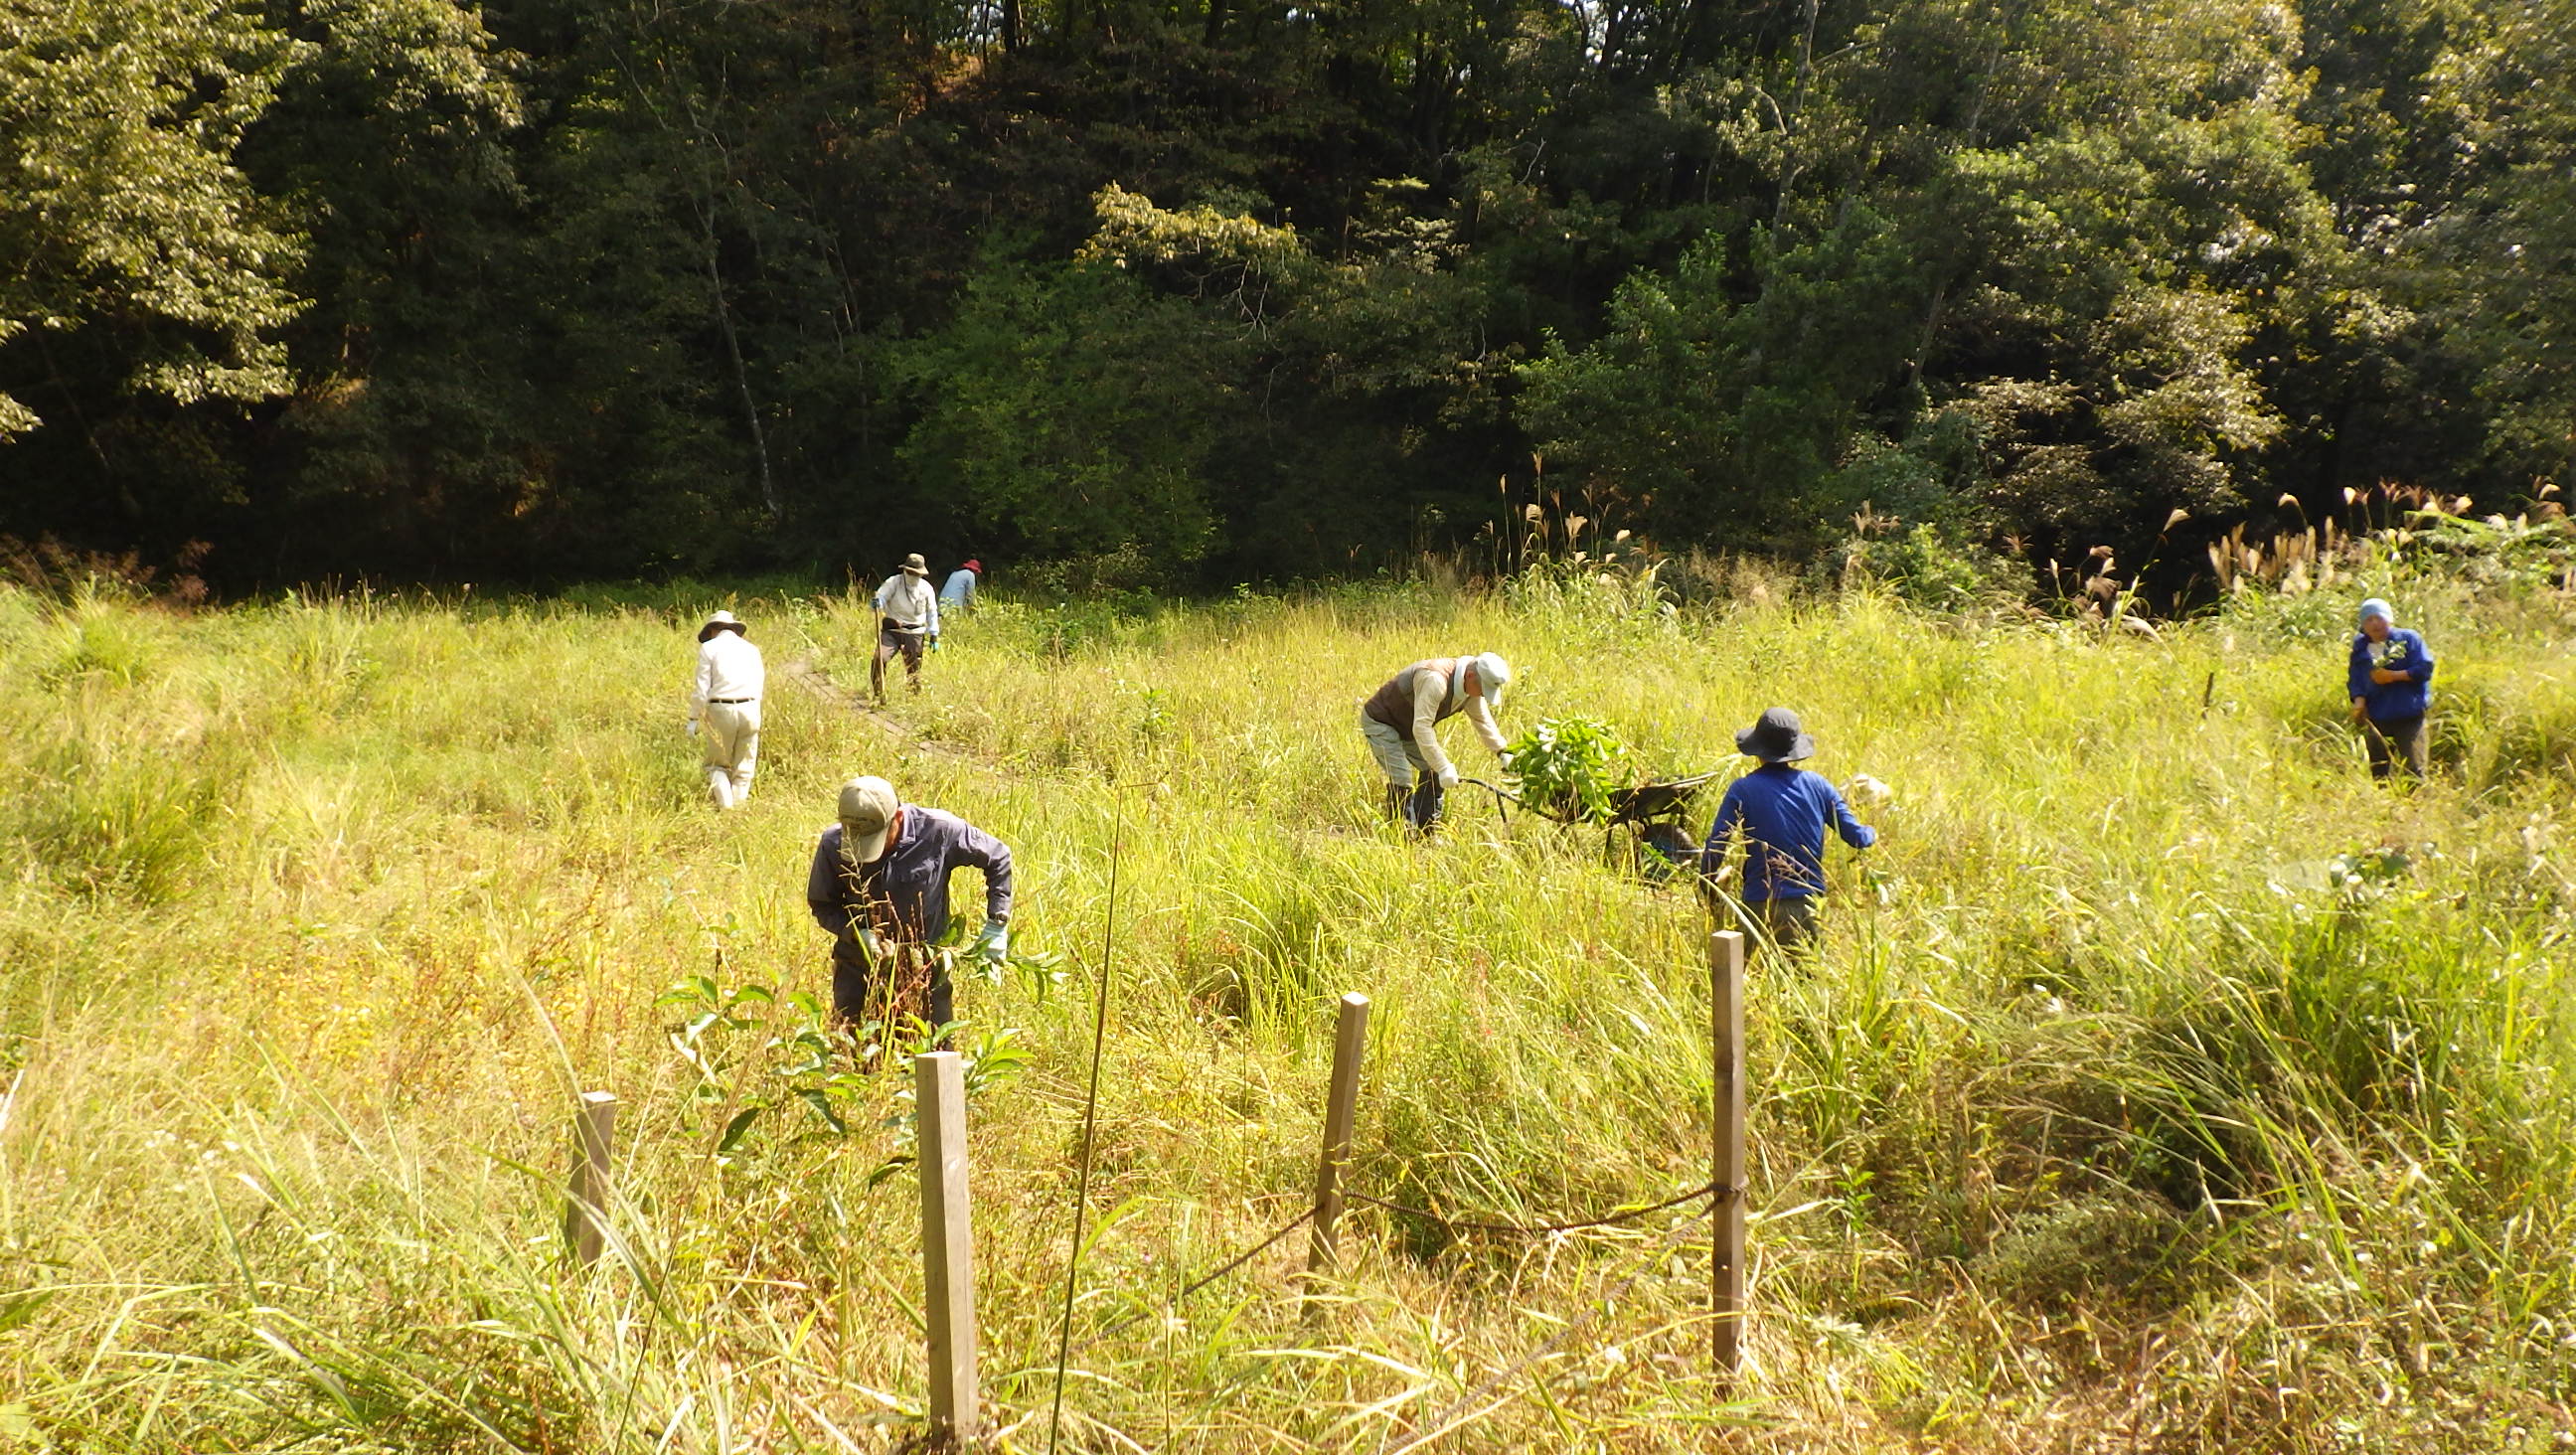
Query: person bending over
{"points": [[879, 886]]}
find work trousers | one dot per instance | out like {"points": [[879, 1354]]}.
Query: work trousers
{"points": [[1414, 794], [2387, 741], [892, 639], [1788, 922], [730, 733], [858, 995]]}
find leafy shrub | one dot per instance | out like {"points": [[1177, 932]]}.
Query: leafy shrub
{"points": [[2488, 553], [1569, 766], [2298, 616], [1926, 568]]}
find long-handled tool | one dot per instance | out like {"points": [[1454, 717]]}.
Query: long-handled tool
{"points": [[1654, 813]]}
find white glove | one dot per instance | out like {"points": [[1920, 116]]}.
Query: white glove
{"points": [[1449, 776], [1870, 791], [870, 941], [693, 727]]}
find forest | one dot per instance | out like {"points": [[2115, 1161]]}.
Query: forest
{"points": [[1208, 291]]}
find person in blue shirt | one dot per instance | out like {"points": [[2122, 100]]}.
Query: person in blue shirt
{"points": [[2390, 681], [957, 594], [1780, 813]]}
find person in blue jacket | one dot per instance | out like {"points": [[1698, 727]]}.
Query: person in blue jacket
{"points": [[2391, 684], [1780, 813]]}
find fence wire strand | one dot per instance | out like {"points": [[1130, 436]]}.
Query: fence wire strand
{"points": [[1537, 1230], [1248, 1255], [1455, 1225], [1230, 1265]]}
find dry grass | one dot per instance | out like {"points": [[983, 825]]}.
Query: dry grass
{"points": [[2104, 1121]]}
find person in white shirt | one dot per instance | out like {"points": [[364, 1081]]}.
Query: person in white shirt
{"points": [[957, 593], [907, 614], [724, 707]]}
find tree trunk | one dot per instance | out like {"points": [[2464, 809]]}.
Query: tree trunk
{"points": [[741, 372]]}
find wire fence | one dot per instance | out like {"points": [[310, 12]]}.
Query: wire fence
{"points": [[1535, 1230], [1718, 1197], [1264, 1246]]}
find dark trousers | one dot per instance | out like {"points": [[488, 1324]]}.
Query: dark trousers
{"points": [[1418, 807], [1422, 807], [892, 639], [2388, 740], [858, 995], [1790, 921]]}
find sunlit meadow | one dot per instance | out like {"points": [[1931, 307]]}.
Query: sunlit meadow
{"points": [[2137, 1099]]}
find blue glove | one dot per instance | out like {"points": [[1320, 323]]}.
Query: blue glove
{"points": [[992, 943], [934, 641]]}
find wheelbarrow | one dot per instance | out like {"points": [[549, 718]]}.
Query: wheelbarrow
{"points": [[1655, 814]]}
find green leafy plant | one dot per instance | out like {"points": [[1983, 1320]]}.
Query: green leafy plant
{"points": [[2366, 874], [748, 1061], [1044, 971], [2488, 551], [1569, 767]]}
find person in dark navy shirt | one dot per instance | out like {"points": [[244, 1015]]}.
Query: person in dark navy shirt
{"points": [[879, 883], [1780, 812]]}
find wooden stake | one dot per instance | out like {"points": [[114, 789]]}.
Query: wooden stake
{"points": [[1726, 1031], [586, 1202], [1350, 1044], [947, 1247]]}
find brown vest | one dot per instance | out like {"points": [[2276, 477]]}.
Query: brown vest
{"points": [[1393, 703]]}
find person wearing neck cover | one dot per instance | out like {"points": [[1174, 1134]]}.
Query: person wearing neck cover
{"points": [[1779, 812], [907, 618]]}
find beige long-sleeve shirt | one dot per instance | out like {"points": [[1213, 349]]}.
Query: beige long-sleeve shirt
{"points": [[908, 602], [729, 669], [1435, 694]]}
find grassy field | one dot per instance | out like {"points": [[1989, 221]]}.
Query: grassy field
{"points": [[2113, 1115]]}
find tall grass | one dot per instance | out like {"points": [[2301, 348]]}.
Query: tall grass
{"points": [[2106, 1117]]}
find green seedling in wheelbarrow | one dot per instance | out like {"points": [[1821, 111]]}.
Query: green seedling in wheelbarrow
{"points": [[1571, 770]]}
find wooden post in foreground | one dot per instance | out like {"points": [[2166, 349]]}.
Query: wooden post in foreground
{"points": [[947, 1249], [586, 1201], [1350, 1043], [1726, 1031]]}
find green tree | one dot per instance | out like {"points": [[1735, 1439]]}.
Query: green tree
{"points": [[126, 228], [1727, 419], [2505, 275], [1067, 411]]}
